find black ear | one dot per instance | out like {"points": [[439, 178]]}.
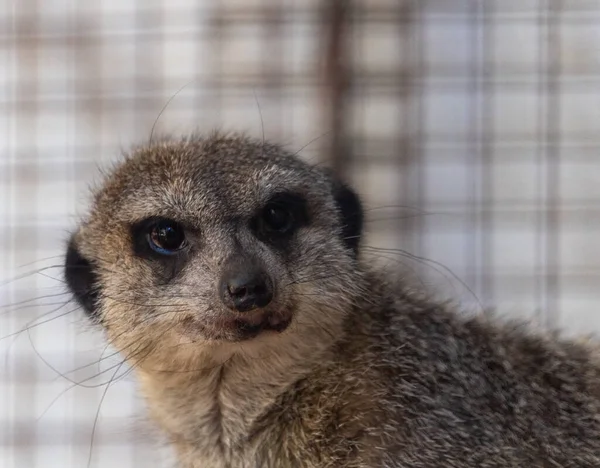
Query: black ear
{"points": [[81, 280], [352, 214]]}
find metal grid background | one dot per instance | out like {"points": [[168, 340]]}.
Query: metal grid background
{"points": [[469, 127]]}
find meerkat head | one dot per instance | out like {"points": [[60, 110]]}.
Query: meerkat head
{"points": [[217, 240]]}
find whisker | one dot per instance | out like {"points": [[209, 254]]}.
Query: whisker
{"points": [[95, 362], [311, 142], [98, 414], [52, 278], [28, 274], [165, 108], [39, 260], [16, 336], [262, 123], [372, 250], [32, 323], [30, 300], [79, 384], [405, 265], [433, 264]]}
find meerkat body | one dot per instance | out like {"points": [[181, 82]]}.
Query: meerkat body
{"points": [[228, 273]]}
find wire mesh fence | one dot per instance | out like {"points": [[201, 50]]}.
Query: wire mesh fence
{"points": [[469, 128]]}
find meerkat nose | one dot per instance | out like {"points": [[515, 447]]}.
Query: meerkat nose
{"points": [[245, 287]]}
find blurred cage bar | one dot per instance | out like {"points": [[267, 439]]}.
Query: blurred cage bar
{"points": [[470, 128]]}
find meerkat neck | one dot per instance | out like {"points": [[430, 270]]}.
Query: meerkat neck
{"points": [[233, 384]]}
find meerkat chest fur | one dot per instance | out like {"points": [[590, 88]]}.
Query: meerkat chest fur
{"points": [[224, 410], [208, 413]]}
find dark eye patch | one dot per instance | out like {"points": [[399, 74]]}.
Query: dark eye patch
{"points": [[280, 217]]}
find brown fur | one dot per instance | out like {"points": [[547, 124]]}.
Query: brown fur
{"points": [[368, 374]]}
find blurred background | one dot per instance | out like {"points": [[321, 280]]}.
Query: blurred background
{"points": [[470, 128]]}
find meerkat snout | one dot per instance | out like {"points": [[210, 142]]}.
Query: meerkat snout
{"points": [[244, 285]]}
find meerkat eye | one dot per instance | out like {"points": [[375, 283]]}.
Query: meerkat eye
{"points": [[277, 218], [280, 217], [166, 237]]}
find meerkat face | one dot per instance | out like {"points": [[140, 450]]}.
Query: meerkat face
{"points": [[222, 239]]}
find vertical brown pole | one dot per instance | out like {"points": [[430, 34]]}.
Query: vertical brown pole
{"points": [[336, 17]]}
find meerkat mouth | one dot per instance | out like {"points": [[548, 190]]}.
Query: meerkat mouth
{"points": [[243, 327], [253, 323]]}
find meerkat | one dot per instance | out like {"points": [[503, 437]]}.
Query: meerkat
{"points": [[229, 275]]}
